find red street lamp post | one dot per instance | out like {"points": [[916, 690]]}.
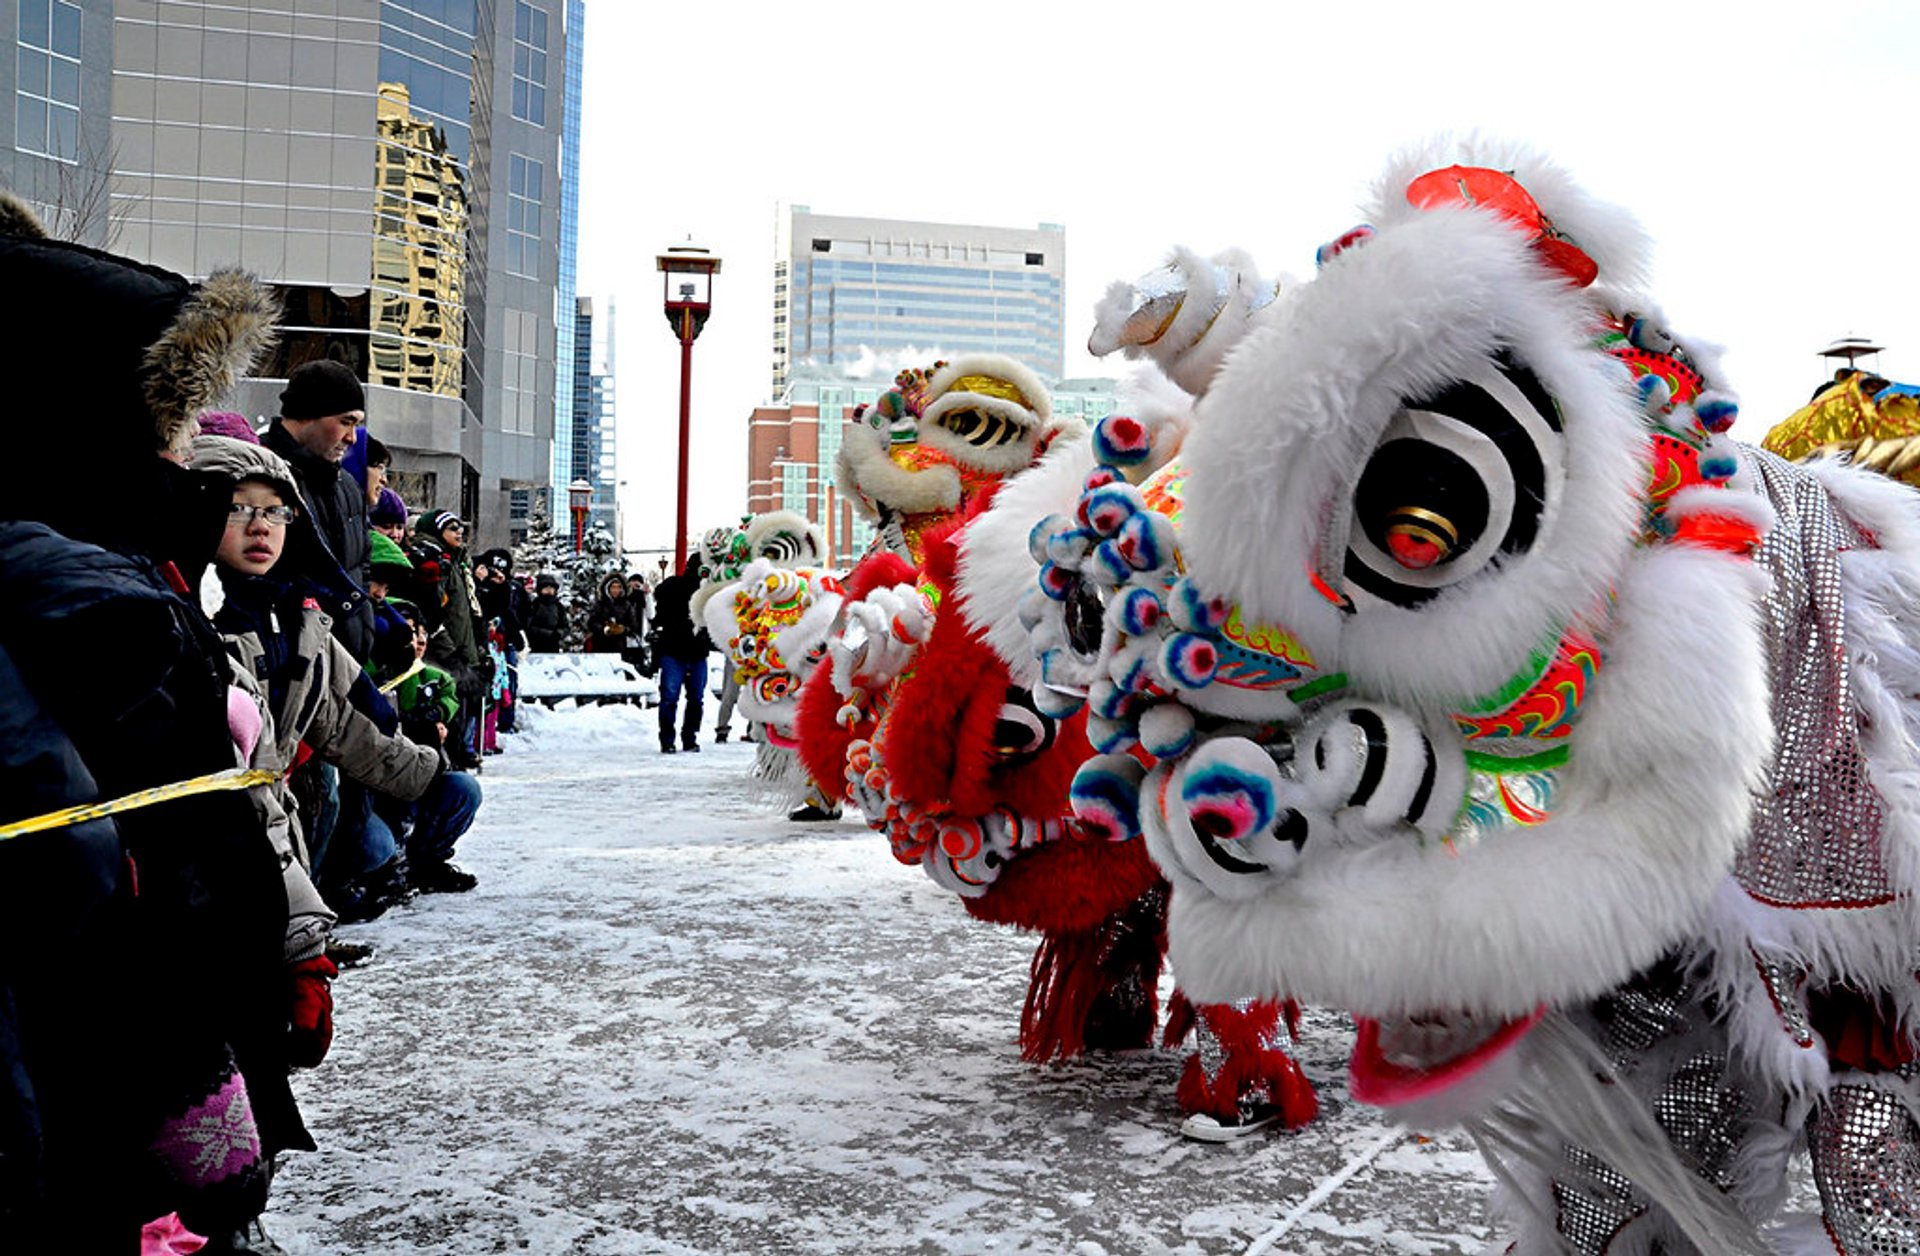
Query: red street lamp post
{"points": [[579, 501], [687, 285]]}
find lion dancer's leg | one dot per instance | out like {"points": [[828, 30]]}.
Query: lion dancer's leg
{"points": [[1865, 1145], [1241, 1076], [1098, 988]]}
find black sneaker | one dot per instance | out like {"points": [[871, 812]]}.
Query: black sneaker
{"points": [[349, 954], [252, 1239], [810, 813], [443, 878], [720, 735], [667, 747], [692, 747]]}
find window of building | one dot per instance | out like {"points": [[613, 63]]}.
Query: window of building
{"points": [[1036, 259], [830, 426], [47, 97], [524, 180], [821, 246], [529, 63], [793, 487], [520, 390]]}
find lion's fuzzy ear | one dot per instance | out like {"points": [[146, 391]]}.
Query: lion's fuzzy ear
{"points": [[217, 336], [18, 220]]}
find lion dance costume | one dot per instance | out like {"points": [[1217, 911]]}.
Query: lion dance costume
{"points": [[935, 720], [1488, 689]]}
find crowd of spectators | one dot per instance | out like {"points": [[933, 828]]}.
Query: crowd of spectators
{"points": [[241, 703]]}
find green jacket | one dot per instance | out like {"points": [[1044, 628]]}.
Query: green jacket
{"points": [[427, 694]]}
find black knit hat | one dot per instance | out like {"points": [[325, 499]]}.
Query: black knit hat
{"points": [[320, 389], [439, 521]]}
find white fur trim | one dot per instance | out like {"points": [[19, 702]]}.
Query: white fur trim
{"points": [[996, 570], [865, 464], [809, 549], [1705, 499], [1034, 417], [1283, 435], [1653, 813]]}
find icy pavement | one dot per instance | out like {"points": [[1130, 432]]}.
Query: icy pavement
{"points": [[669, 1021]]}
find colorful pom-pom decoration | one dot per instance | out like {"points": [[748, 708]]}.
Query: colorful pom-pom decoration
{"points": [[1718, 462], [1057, 582], [1056, 703], [1227, 796], [1120, 440], [1655, 393], [1716, 411], [1189, 660], [1166, 730], [1068, 548], [1109, 701], [1109, 506], [1033, 608], [1645, 336], [1105, 796], [1044, 532], [1108, 565], [1131, 670], [1193, 611], [1097, 478], [1136, 611], [1146, 541], [1111, 736], [961, 839], [1334, 248]]}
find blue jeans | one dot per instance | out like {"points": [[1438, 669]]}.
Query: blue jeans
{"points": [[325, 818], [361, 841], [442, 815], [675, 675]]}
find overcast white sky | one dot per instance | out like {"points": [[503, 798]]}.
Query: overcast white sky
{"points": [[1771, 149]]}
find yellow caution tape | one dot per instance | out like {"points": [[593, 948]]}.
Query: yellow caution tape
{"points": [[232, 778], [419, 665]]}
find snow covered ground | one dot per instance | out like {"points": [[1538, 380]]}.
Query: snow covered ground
{"points": [[669, 1021]]}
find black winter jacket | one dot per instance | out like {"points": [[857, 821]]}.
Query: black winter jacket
{"points": [[546, 624], [675, 635], [189, 933], [339, 508]]}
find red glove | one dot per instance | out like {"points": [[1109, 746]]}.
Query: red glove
{"points": [[312, 1020]]}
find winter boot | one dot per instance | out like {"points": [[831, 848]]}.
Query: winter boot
{"points": [[720, 734], [347, 954], [251, 1239]]}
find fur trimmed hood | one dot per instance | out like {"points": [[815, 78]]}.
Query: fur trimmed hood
{"points": [[137, 350]]}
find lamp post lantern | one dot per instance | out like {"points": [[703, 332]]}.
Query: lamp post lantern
{"points": [[579, 501], [687, 272]]}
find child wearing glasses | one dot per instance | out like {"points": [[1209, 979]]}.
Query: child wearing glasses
{"points": [[268, 561]]}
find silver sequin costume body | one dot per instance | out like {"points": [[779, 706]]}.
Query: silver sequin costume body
{"points": [[1720, 1043]]}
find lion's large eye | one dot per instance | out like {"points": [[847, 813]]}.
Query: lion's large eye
{"points": [[1020, 731], [1460, 476]]}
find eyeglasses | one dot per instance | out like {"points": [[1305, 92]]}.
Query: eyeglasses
{"points": [[242, 515]]}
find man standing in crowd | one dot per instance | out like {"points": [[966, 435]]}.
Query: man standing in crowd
{"points": [[320, 411], [440, 559], [680, 650]]}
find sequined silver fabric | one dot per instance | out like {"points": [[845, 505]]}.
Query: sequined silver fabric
{"points": [[1817, 832], [1704, 1114], [1784, 983], [1207, 1045], [1653, 1005], [1702, 1111], [1593, 1203], [1866, 1163]]}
